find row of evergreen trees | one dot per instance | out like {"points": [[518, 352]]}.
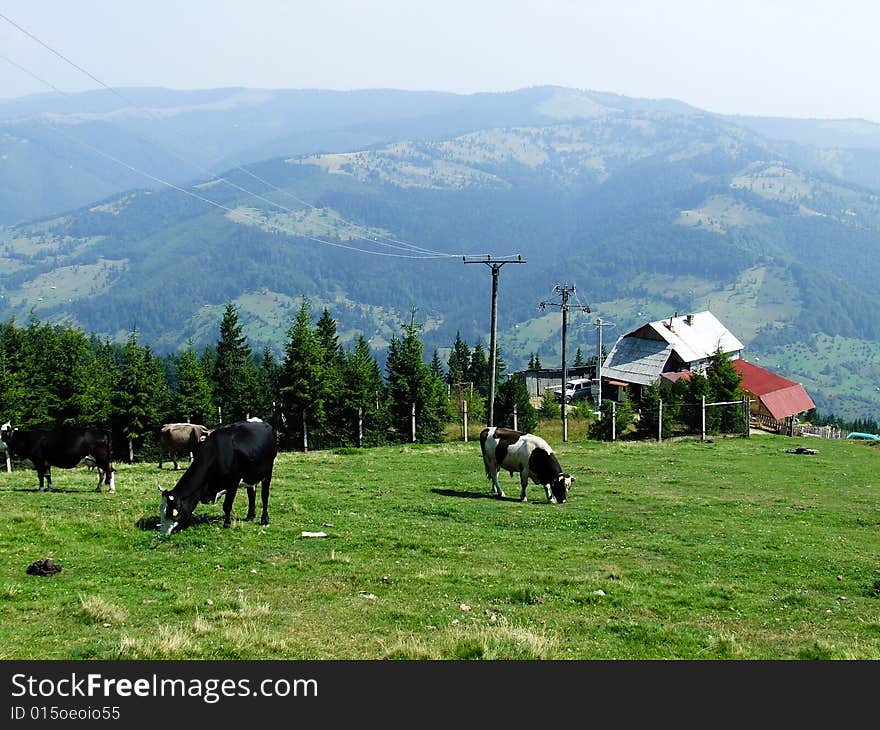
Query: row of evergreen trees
{"points": [[320, 394], [323, 394]]}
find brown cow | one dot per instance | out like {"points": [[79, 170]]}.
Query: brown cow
{"points": [[176, 439]]}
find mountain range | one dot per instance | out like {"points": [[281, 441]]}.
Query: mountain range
{"points": [[149, 210]]}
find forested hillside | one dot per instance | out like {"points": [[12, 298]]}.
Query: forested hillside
{"points": [[647, 207]]}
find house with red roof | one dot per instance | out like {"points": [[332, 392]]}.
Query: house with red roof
{"points": [[775, 399]]}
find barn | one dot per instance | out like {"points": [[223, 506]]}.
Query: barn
{"points": [[539, 380], [776, 401]]}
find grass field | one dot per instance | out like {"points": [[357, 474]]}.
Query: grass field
{"points": [[732, 549]]}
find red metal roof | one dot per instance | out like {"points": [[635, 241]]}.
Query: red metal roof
{"points": [[781, 397]]}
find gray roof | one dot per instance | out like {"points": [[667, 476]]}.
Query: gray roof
{"points": [[636, 360], [640, 356]]}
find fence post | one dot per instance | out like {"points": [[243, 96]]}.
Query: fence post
{"points": [[413, 423], [660, 420], [464, 419], [748, 416], [613, 420], [360, 427], [514, 417], [703, 418], [305, 433]]}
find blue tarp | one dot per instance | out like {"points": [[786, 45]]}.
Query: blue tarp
{"points": [[867, 436]]}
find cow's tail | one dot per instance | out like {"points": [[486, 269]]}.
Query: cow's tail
{"points": [[484, 435]]}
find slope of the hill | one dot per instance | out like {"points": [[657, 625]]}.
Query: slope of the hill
{"points": [[648, 209]]}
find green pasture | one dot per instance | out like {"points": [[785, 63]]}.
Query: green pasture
{"points": [[729, 549]]}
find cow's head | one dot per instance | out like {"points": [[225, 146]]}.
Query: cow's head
{"points": [[6, 431], [561, 486], [169, 512]]}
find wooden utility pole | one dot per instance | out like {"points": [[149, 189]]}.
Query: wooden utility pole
{"points": [[565, 291], [599, 325], [495, 265]]}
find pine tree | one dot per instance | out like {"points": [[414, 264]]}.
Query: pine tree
{"points": [[333, 427], [647, 426], [538, 365], [623, 417], [500, 368], [459, 362], [698, 388], [513, 392], [266, 396], [578, 358], [724, 385], [141, 396], [192, 400], [234, 376], [363, 392], [436, 367], [94, 401], [550, 408], [478, 370], [410, 382], [302, 377], [13, 383]]}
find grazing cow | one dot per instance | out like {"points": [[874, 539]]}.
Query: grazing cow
{"points": [[240, 452], [64, 447], [176, 439], [527, 454]]}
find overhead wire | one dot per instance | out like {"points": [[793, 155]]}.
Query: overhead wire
{"points": [[239, 212], [372, 237]]}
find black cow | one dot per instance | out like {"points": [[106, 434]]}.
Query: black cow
{"points": [[64, 447], [242, 452], [527, 454]]}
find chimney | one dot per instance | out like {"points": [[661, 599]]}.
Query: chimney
{"points": [[689, 319]]}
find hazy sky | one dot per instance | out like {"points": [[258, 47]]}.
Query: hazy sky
{"points": [[798, 58]]}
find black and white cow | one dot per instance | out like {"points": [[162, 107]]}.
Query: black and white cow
{"points": [[64, 447], [176, 439], [527, 454], [242, 452]]}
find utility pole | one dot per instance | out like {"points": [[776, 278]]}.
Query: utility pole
{"points": [[495, 265], [565, 291], [599, 325]]}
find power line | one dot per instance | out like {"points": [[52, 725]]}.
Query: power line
{"points": [[565, 291], [258, 221], [372, 238], [495, 265]]}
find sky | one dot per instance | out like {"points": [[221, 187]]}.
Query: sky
{"points": [[792, 58]]}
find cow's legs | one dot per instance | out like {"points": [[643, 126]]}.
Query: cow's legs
{"points": [[264, 496], [550, 497], [44, 475], [496, 486], [227, 504], [252, 501], [105, 476], [524, 482]]}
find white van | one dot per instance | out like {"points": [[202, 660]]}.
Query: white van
{"points": [[577, 389]]}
